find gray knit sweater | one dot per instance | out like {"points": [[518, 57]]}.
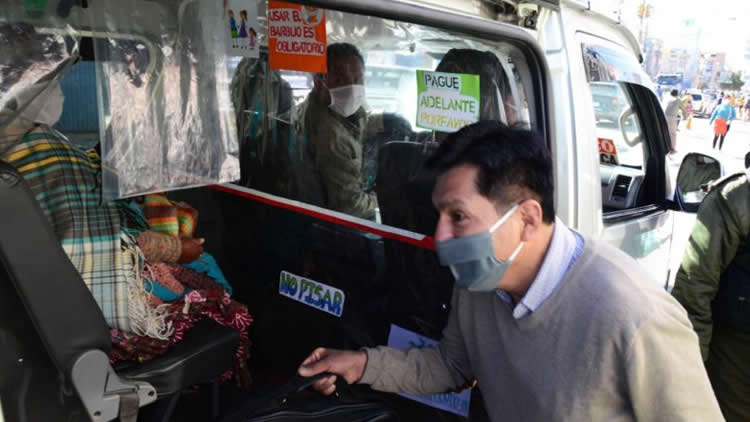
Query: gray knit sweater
{"points": [[607, 345]]}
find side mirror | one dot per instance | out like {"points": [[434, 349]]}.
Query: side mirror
{"points": [[747, 161], [694, 179]]}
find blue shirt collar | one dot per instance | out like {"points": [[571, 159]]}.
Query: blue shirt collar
{"points": [[564, 249]]}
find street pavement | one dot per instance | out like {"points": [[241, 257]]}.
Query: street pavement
{"points": [[700, 137]]}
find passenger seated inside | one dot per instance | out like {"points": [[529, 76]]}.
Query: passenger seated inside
{"points": [[496, 97], [334, 124], [409, 187], [141, 263]]}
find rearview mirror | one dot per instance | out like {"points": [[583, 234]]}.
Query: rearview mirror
{"points": [[694, 179], [627, 114]]}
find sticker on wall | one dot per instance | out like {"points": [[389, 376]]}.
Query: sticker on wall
{"points": [[312, 293], [296, 37], [241, 23], [608, 152], [457, 403], [446, 102]]}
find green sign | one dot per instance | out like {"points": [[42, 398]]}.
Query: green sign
{"points": [[447, 101], [35, 8], [36, 5]]}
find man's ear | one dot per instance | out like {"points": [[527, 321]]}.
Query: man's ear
{"points": [[532, 218]]}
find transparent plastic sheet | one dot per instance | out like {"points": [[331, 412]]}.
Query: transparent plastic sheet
{"points": [[272, 104], [164, 96], [36, 48]]}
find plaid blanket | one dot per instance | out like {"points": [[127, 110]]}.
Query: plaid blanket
{"points": [[66, 183]]}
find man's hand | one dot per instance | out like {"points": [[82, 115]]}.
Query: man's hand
{"points": [[347, 364], [191, 249]]}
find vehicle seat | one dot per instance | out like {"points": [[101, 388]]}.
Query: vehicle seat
{"points": [[53, 334], [79, 121], [395, 127], [419, 288]]}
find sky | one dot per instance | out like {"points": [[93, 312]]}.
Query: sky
{"points": [[724, 25]]}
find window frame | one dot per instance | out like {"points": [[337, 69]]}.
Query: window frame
{"points": [[651, 196]]}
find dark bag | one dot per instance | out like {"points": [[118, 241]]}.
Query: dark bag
{"points": [[291, 403]]}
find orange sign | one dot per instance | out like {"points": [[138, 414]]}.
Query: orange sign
{"points": [[297, 37]]}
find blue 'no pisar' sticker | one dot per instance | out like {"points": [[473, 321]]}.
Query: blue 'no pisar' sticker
{"points": [[312, 293]]}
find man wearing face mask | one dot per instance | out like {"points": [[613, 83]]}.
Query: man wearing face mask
{"points": [[552, 325], [335, 124]]}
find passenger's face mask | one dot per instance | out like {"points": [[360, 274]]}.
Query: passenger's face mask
{"points": [[346, 100], [472, 258], [45, 107]]}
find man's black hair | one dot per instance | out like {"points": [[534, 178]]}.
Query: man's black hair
{"points": [[674, 93], [514, 164], [343, 49]]}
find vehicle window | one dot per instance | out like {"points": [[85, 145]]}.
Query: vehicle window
{"points": [[697, 97], [352, 140], [613, 76], [610, 105]]}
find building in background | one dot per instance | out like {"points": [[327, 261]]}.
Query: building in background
{"points": [[746, 66], [710, 69], [652, 54]]}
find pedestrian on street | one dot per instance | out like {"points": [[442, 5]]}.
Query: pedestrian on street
{"points": [[722, 118], [713, 283], [552, 325], [672, 111], [739, 103], [687, 104]]}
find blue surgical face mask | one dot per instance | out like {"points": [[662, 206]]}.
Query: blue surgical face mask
{"points": [[472, 258]]}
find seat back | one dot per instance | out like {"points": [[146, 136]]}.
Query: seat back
{"points": [[419, 288], [60, 307], [80, 117], [404, 189]]}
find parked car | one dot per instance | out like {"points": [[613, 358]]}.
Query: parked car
{"points": [[707, 106], [697, 101]]}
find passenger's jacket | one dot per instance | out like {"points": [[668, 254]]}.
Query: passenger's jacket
{"points": [[721, 229], [334, 145]]}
